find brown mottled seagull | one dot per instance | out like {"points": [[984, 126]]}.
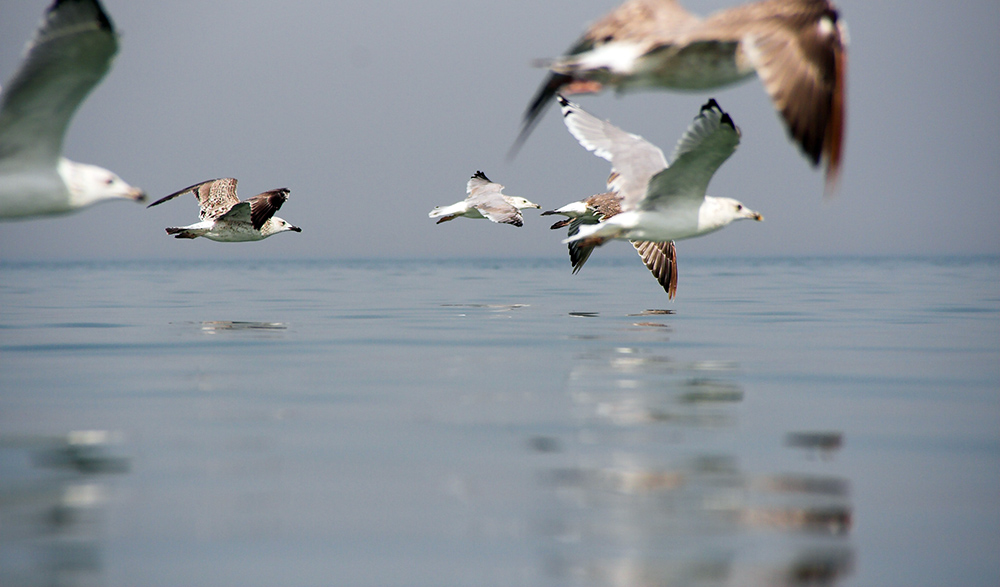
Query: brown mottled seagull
{"points": [[69, 55], [484, 200], [226, 219], [798, 48], [659, 258]]}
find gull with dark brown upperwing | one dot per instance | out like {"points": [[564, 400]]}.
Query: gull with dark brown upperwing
{"points": [[798, 48], [226, 219], [659, 257]]}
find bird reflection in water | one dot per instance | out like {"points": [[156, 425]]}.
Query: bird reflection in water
{"points": [[656, 494], [52, 495]]}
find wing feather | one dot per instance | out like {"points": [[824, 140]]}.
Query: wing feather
{"points": [[706, 145], [69, 55]]}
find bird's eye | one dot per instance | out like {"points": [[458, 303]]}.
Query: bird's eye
{"points": [[739, 207], [109, 181]]}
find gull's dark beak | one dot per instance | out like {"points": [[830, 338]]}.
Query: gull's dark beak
{"points": [[294, 229], [137, 195], [758, 217]]}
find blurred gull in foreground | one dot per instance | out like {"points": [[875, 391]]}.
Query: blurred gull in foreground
{"points": [[485, 200], [798, 48], [225, 218], [71, 52], [659, 258], [660, 203]]}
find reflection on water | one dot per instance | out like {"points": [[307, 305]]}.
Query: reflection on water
{"points": [[212, 326], [52, 498], [659, 495]]}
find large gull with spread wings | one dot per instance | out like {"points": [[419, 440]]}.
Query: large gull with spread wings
{"points": [[225, 218], [69, 55], [660, 203], [798, 48]]}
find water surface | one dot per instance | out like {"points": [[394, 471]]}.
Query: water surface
{"points": [[784, 421]]}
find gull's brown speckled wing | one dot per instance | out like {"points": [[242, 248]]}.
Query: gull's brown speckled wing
{"points": [[215, 197]]}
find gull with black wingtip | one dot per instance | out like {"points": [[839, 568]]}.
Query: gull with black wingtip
{"points": [[224, 218]]}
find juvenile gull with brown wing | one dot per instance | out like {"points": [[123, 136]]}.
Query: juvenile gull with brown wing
{"points": [[798, 48], [226, 219], [659, 257]]}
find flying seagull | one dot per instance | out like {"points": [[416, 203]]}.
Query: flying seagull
{"points": [[798, 48], [70, 53], [659, 258], [660, 203], [226, 219], [485, 200]]}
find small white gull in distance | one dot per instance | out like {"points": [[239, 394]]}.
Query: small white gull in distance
{"points": [[659, 258], [660, 203], [485, 200], [69, 55], [224, 218], [798, 48]]}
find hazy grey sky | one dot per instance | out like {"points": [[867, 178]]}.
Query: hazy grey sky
{"points": [[375, 112]]}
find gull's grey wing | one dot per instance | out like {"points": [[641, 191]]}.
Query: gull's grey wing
{"points": [[661, 260], [706, 145], [634, 160], [264, 205], [70, 53], [480, 184], [484, 195], [494, 207]]}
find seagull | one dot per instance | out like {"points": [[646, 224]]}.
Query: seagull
{"points": [[660, 203], [485, 200], [659, 258], [226, 219], [71, 52], [798, 48]]}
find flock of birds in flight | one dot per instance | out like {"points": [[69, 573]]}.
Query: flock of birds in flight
{"points": [[798, 48]]}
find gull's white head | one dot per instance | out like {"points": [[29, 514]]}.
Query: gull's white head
{"points": [[728, 210], [716, 213], [274, 225], [520, 203], [90, 184]]}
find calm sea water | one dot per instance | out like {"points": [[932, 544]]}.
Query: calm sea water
{"points": [[791, 421]]}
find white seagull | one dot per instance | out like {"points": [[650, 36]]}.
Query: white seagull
{"points": [[659, 258], [71, 52], [660, 203], [485, 200], [798, 48], [224, 218]]}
